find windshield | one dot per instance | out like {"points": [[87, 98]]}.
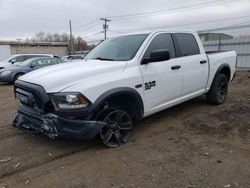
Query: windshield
{"points": [[24, 63], [9, 58], [121, 48]]}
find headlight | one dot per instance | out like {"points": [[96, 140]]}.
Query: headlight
{"points": [[5, 73], [69, 101]]}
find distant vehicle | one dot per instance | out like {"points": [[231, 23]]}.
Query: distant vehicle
{"points": [[20, 58], [12, 73], [72, 57]]}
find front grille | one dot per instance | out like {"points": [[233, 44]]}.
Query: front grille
{"points": [[38, 98]]}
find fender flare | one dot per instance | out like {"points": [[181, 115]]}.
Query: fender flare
{"points": [[222, 66], [96, 106]]}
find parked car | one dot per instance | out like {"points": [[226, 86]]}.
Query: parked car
{"points": [[20, 58], [122, 80], [70, 58], [11, 74]]}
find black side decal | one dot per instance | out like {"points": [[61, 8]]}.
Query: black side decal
{"points": [[138, 86], [149, 85]]}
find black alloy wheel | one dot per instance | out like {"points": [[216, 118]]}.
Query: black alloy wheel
{"points": [[118, 129], [219, 90], [222, 90]]}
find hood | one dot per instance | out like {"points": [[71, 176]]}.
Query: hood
{"points": [[15, 68], [58, 77], [4, 64]]}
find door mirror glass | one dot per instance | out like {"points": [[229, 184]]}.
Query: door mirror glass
{"points": [[12, 61], [157, 55], [32, 66]]}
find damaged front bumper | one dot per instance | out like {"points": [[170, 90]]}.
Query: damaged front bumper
{"points": [[53, 126]]}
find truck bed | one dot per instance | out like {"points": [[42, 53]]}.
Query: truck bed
{"points": [[216, 59]]}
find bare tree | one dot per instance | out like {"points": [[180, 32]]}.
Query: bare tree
{"points": [[78, 43], [64, 37], [40, 36]]}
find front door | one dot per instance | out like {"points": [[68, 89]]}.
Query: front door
{"points": [[162, 80]]}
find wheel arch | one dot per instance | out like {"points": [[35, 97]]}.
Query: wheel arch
{"points": [[129, 94], [17, 73], [224, 69]]}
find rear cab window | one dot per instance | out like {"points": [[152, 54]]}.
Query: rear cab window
{"points": [[186, 44]]}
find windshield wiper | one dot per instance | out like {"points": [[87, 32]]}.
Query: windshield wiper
{"points": [[104, 59]]}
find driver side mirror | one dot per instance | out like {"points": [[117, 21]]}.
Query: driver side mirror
{"points": [[13, 61], [32, 66], [156, 56]]}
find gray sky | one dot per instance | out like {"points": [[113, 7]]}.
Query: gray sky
{"points": [[24, 18]]}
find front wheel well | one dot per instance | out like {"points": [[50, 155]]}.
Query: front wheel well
{"points": [[126, 102]]}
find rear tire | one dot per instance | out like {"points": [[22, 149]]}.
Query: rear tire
{"points": [[218, 91], [118, 129]]}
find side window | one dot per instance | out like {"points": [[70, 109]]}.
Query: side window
{"points": [[27, 57], [187, 44], [19, 59], [76, 57], [39, 62], [58, 61], [160, 42], [52, 61], [34, 63]]}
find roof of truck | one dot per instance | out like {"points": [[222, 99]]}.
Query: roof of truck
{"points": [[162, 30]]}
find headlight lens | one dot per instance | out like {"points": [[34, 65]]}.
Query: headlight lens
{"points": [[69, 101], [5, 73]]}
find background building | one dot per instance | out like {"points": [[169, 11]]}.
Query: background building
{"points": [[219, 42], [8, 48]]}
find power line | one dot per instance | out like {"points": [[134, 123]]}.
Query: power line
{"points": [[95, 41], [88, 36], [210, 21], [152, 13], [208, 30], [117, 31], [87, 27], [86, 24], [226, 28]]}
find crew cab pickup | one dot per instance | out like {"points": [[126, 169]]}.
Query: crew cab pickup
{"points": [[121, 80]]}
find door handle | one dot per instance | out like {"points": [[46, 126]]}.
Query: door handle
{"points": [[175, 67], [203, 61]]}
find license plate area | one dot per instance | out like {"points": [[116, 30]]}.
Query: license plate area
{"points": [[24, 97]]}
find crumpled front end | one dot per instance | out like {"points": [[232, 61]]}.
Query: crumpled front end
{"points": [[37, 114]]}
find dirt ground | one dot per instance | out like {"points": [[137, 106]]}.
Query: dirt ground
{"points": [[191, 145]]}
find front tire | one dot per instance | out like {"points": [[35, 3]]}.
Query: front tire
{"points": [[118, 129], [218, 91]]}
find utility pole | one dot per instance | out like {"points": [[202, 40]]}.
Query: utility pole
{"points": [[105, 26], [70, 39]]}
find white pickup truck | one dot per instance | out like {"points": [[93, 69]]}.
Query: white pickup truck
{"points": [[122, 80]]}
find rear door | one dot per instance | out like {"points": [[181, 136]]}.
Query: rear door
{"points": [[162, 83], [195, 64]]}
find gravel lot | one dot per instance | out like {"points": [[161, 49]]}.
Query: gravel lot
{"points": [[191, 145]]}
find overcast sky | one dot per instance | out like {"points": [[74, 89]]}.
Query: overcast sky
{"points": [[20, 19]]}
